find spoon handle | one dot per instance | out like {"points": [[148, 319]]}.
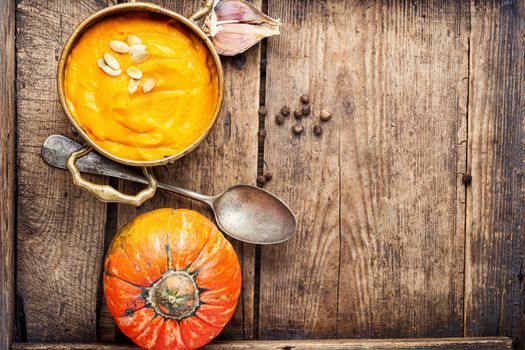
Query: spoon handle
{"points": [[187, 193]]}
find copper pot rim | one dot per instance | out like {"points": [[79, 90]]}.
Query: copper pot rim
{"points": [[137, 7]]}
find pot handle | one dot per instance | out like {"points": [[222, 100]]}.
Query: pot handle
{"points": [[107, 193], [203, 11]]}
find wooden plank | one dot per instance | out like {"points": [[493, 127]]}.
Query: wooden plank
{"points": [[403, 154], [60, 228], [372, 344], [298, 279], [106, 328], [349, 344], [7, 169], [226, 157], [379, 252], [70, 346], [495, 245]]}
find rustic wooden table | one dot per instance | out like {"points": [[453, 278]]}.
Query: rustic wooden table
{"points": [[395, 239]]}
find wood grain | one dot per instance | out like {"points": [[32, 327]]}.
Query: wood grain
{"points": [[348, 344], [371, 344], [298, 283], [60, 228], [379, 252], [382, 248], [107, 331], [7, 169], [402, 153], [495, 245], [226, 157]]}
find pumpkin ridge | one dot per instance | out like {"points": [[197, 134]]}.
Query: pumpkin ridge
{"points": [[217, 302], [120, 247], [160, 342], [168, 252], [215, 250], [186, 346], [168, 245], [119, 320], [190, 325], [201, 217], [214, 233], [130, 311], [147, 326], [204, 321], [125, 281]]}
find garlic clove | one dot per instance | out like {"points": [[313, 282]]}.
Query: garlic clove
{"points": [[233, 39], [235, 26], [242, 12]]}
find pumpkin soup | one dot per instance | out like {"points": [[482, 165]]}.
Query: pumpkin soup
{"points": [[142, 86]]}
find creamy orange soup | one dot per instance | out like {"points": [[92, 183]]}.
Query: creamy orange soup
{"points": [[142, 125]]}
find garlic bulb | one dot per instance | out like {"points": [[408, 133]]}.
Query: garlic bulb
{"points": [[235, 26]]}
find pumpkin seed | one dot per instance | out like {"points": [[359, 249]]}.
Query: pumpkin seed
{"points": [[111, 61], [148, 84], [114, 73], [137, 48], [133, 85], [133, 40], [140, 56], [134, 73], [101, 63], [107, 69], [119, 46]]}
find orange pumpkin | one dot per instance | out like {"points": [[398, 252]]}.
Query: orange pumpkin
{"points": [[171, 280]]}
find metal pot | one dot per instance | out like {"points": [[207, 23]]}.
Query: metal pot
{"points": [[104, 192]]}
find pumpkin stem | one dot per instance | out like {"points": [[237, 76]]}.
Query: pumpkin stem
{"points": [[175, 295]]}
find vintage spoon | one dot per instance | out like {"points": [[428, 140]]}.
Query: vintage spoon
{"points": [[244, 212]]}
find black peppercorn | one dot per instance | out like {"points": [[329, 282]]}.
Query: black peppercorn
{"points": [[262, 134], [318, 130], [298, 113], [239, 61], [325, 116], [268, 176], [263, 110], [279, 119], [305, 109], [305, 98], [261, 180], [285, 110], [297, 129], [466, 179]]}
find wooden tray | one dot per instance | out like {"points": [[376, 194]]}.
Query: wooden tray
{"points": [[411, 202]]}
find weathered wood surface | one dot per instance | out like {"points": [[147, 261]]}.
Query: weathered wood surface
{"points": [[402, 155], [391, 242], [348, 344], [60, 228], [7, 169], [378, 195], [226, 157], [495, 250]]}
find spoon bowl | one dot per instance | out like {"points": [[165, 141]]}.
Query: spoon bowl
{"points": [[253, 215]]}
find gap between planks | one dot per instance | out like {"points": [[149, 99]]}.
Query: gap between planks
{"points": [[8, 171]]}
